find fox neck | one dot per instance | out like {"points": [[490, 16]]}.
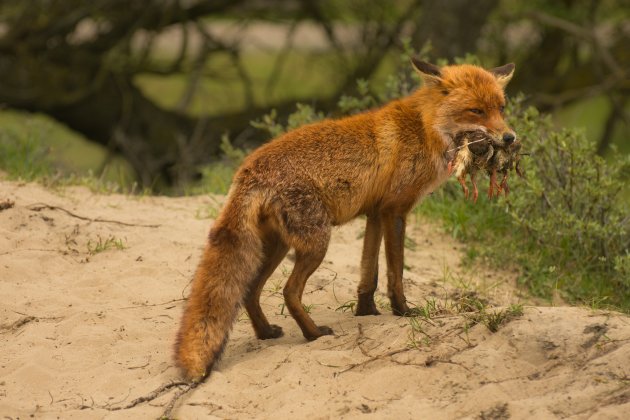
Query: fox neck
{"points": [[427, 102]]}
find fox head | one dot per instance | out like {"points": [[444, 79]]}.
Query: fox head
{"points": [[467, 98]]}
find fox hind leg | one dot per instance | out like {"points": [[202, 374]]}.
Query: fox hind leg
{"points": [[307, 258], [274, 250]]}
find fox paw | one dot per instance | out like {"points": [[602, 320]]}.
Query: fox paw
{"points": [[366, 306], [323, 330], [274, 331], [404, 310]]}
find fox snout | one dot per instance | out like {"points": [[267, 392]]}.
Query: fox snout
{"points": [[508, 138], [503, 140]]}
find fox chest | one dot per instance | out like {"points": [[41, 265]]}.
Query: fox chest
{"points": [[415, 178]]}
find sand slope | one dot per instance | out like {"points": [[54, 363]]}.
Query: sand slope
{"points": [[83, 333]]}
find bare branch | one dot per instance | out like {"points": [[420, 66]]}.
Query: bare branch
{"points": [[280, 60], [588, 34], [42, 206], [616, 114]]}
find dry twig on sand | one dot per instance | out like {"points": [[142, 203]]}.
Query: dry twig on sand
{"points": [[42, 206]]}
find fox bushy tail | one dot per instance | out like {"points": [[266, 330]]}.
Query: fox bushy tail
{"points": [[229, 264]]}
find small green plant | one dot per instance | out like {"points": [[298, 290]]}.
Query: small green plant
{"points": [[347, 306], [307, 308], [216, 177], [410, 243], [210, 211], [465, 305], [382, 303], [493, 319], [101, 245], [431, 308], [207, 212], [275, 289], [469, 302], [417, 336]]}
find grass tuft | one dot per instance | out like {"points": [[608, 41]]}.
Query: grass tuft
{"points": [[102, 245]]}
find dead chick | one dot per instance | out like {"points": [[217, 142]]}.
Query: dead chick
{"points": [[506, 157], [474, 152]]}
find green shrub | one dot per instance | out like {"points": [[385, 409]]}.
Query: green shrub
{"points": [[566, 225], [304, 114], [216, 177], [571, 211]]}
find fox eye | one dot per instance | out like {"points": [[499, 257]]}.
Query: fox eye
{"points": [[501, 109], [476, 111]]}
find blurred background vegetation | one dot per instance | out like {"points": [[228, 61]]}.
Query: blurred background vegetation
{"points": [[168, 96]]}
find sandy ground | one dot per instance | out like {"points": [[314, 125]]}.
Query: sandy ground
{"points": [[84, 333]]}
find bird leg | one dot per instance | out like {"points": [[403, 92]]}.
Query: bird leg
{"points": [[475, 193], [517, 167], [493, 184], [504, 184], [462, 182]]}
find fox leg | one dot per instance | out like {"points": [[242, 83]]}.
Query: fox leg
{"points": [[274, 250], [369, 267], [308, 256], [394, 227], [462, 182]]}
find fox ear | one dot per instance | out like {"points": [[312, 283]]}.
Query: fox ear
{"points": [[503, 74], [430, 73]]}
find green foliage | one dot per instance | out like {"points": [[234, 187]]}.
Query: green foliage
{"points": [[399, 83], [352, 104], [493, 319], [34, 147], [216, 177], [566, 225], [571, 208], [304, 114], [22, 156], [467, 305]]}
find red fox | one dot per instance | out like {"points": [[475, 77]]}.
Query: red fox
{"points": [[290, 192]]}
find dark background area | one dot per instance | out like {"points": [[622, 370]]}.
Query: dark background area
{"points": [[156, 84]]}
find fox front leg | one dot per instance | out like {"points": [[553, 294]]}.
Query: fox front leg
{"points": [[369, 266], [394, 229]]}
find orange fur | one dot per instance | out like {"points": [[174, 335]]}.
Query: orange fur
{"points": [[291, 191]]}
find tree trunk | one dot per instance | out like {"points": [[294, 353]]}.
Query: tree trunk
{"points": [[162, 146], [450, 35]]}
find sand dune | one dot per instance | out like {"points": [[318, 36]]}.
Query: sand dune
{"points": [[92, 288]]}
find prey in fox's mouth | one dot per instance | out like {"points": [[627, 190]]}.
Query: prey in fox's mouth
{"points": [[476, 150]]}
